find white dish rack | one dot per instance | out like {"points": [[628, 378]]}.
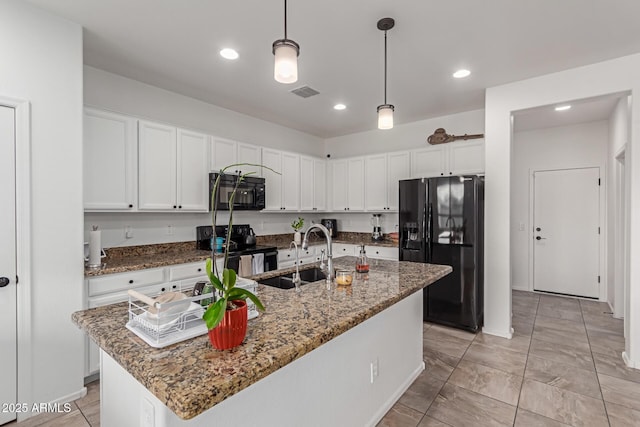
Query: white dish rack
{"points": [[170, 327]]}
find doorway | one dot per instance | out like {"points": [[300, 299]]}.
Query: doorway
{"points": [[8, 266], [566, 231]]}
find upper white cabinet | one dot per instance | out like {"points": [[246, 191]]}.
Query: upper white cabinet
{"points": [[347, 184], [313, 184], [109, 152], [456, 158], [172, 168], [282, 180], [225, 152], [382, 173]]}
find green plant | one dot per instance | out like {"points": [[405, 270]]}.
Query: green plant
{"points": [[297, 224], [225, 284]]}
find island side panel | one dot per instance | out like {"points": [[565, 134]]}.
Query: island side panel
{"points": [[329, 386]]}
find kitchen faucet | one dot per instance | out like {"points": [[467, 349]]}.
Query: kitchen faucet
{"points": [[305, 244], [296, 275]]}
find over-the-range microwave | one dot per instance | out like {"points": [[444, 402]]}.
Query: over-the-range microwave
{"points": [[250, 195]]}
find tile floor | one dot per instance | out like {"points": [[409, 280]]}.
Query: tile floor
{"points": [[562, 367]]}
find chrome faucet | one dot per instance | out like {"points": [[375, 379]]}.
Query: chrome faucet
{"points": [[296, 275], [305, 244]]}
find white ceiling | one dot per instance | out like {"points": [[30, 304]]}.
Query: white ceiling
{"points": [[174, 44]]}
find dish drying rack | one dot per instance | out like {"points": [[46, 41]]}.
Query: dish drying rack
{"points": [[176, 321]]}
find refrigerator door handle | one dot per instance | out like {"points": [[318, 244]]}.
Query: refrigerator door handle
{"points": [[429, 230]]}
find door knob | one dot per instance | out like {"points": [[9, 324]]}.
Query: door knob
{"points": [[4, 281]]}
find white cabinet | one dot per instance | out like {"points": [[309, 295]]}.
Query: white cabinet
{"points": [[345, 249], [172, 168], [109, 151], [313, 184], [347, 184], [456, 158], [225, 152], [282, 180], [381, 252], [382, 173]]}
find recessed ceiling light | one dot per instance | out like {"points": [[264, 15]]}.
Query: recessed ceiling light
{"points": [[460, 74], [339, 107], [563, 107], [228, 53]]}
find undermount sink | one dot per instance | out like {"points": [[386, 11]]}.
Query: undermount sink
{"points": [[285, 281]]}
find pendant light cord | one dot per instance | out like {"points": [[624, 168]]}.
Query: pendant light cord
{"points": [[385, 66], [285, 19]]}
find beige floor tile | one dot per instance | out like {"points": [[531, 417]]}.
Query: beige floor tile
{"points": [[525, 295], [401, 416], [558, 336], [438, 364], [572, 326], [596, 308], [621, 416], [525, 418], [604, 325], [562, 405], [487, 381], [506, 360], [522, 325], [427, 421], [519, 342], [459, 407], [563, 354], [445, 343], [606, 343], [614, 367], [619, 391], [563, 376], [553, 301], [422, 392], [560, 313], [526, 308]]}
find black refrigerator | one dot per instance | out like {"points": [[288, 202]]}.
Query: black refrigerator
{"points": [[442, 222]]}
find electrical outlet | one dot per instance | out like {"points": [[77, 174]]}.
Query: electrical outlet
{"points": [[169, 230], [374, 370], [128, 232], [521, 226]]}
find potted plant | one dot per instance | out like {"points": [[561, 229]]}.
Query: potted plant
{"points": [[297, 225], [226, 318]]}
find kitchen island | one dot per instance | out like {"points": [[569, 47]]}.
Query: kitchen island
{"points": [[341, 356]]}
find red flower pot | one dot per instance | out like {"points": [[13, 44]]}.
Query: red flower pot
{"points": [[231, 331]]}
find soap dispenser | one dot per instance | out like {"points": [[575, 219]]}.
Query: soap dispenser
{"points": [[362, 262]]}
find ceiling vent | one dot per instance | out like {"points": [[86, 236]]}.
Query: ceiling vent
{"points": [[304, 91]]}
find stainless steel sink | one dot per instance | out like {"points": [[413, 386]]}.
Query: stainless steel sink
{"points": [[285, 281]]}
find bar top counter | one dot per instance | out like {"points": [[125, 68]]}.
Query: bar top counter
{"points": [[191, 377]]}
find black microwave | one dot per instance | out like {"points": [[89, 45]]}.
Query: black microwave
{"points": [[249, 196]]}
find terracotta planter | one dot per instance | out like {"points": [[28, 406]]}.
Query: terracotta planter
{"points": [[231, 331]]}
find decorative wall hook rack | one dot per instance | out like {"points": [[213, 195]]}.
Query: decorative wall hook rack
{"points": [[440, 136]]}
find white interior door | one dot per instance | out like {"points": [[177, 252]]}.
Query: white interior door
{"points": [[8, 332], [566, 255]]}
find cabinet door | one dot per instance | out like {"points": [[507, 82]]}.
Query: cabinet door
{"points": [[466, 157], [319, 185], [339, 178], [376, 182], [109, 143], [273, 181], [193, 171], [355, 184], [428, 162], [223, 154], [157, 167], [290, 181], [248, 153], [398, 168], [307, 183]]}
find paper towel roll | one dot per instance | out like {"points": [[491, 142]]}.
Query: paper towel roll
{"points": [[95, 248]]}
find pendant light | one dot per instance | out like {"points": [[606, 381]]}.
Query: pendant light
{"points": [[286, 56], [385, 111]]}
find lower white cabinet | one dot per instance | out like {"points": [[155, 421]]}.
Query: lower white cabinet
{"points": [[381, 252]]}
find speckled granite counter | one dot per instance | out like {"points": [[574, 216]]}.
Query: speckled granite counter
{"points": [[191, 377]]}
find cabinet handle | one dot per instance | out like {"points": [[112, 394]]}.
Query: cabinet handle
{"points": [[450, 173], [180, 207], [442, 173], [130, 205], [199, 270], [162, 290], [174, 286], [174, 206]]}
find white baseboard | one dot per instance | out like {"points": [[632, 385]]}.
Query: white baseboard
{"points": [[71, 397], [382, 411], [627, 361], [520, 287], [502, 334]]}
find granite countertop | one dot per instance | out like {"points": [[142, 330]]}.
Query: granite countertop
{"points": [[191, 377], [133, 258]]}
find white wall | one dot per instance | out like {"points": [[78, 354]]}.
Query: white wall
{"points": [[113, 92], [41, 62], [581, 145], [618, 137], [608, 77], [404, 137]]}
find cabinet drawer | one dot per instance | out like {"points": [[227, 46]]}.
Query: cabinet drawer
{"points": [[382, 252], [124, 281], [286, 255], [343, 249], [187, 271]]}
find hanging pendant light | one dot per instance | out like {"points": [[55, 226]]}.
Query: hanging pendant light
{"points": [[385, 111], [286, 56]]}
